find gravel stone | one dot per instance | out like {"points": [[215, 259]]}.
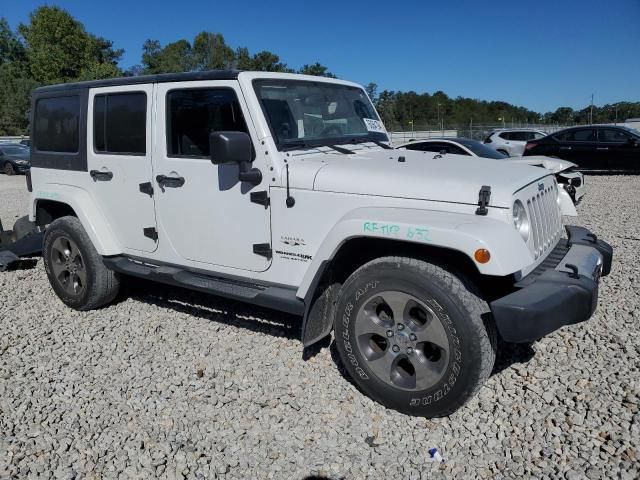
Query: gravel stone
{"points": [[171, 384]]}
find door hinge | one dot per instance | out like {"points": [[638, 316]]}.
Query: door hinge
{"points": [[147, 188], [261, 198], [263, 249], [483, 200], [151, 232]]}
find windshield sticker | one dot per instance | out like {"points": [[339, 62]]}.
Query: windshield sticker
{"points": [[374, 125]]}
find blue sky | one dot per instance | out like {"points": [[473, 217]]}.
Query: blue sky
{"points": [[539, 54]]}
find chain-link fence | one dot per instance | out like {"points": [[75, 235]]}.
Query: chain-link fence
{"points": [[475, 132]]}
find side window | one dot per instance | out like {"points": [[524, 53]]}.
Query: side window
{"points": [[584, 135], [416, 146], [425, 147], [538, 135], [455, 149], [120, 123], [581, 135], [564, 136], [194, 113], [506, 136], [610, 135], [57, 121], [521, 136]]}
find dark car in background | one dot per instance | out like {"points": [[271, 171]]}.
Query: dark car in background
{"points": [[14, 158], [597, 148]]}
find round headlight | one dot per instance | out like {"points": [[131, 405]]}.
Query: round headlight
{"points": [[520, 220]]}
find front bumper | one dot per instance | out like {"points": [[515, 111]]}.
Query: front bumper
{"points": [[563, 290]]}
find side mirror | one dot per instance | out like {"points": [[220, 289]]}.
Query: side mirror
{"points": [[234, 147], [229, 147]]}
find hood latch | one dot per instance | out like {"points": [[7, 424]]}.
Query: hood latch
{"points": [[483, 200]]}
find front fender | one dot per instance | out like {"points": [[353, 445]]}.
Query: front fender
{"points": [[456, 231], [87, 211]]}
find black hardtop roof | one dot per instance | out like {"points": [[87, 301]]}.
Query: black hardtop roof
{"points": [[159, 78]]}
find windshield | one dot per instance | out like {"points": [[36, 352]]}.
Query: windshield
{"points": [[304, 113], [481, 150]]}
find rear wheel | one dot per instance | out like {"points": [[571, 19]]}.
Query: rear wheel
{"points": [[8, 169], [74, 268], [414, 336]]}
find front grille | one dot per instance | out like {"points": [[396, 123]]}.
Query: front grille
{"points": [[546, 222], [549, 263]]}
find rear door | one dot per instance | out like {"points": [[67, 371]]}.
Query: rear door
{"points": [[579, 146], [119, 162], [518, 142]]}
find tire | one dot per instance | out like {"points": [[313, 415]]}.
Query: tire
{"points": [[75, 270], [448, 336], [8, 169], [504, 152]]}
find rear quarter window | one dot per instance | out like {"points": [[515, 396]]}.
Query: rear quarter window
{"points": [[57, 124]]}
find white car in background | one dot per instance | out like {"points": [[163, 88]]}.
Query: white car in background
{"points": [[511, 142], [571, 181]]}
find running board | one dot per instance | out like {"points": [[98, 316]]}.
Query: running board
{"points": [[277, 297]]}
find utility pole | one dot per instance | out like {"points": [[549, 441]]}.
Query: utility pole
{"points": [[616, 122], [591, 114], [438, 115], [411, 115]]}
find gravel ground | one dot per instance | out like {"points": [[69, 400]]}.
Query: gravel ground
{"points": [[168, 383]]}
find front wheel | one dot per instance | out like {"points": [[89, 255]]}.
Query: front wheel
{"points": [[8, 169], [413, 336]]}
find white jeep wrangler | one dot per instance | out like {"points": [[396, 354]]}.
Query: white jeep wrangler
{"points": [[282, 190]]}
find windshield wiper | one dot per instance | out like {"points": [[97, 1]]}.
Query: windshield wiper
{"points": [[296, 145], [381, 145], [304, 145], [346, 151], [354, 141]]}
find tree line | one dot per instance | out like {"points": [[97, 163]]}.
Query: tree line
{"points": [[54, 47], [403, 110]]}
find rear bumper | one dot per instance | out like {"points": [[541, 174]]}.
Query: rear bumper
{"points": [[549, 298]]}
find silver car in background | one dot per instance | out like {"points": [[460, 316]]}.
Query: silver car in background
{"points": [[512, 141]]}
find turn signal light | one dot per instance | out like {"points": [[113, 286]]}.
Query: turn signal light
{"points": [[482, 255]]}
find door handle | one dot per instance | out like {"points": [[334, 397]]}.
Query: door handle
{"points": [[602, 148], [172, 182], [103, 176]]}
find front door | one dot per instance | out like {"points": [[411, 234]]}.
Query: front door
{"points": [[119, 160], [618, 147], [204, 212]]}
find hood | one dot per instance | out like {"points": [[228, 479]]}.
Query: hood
{"points": [[447, 178], [554, 165]]}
